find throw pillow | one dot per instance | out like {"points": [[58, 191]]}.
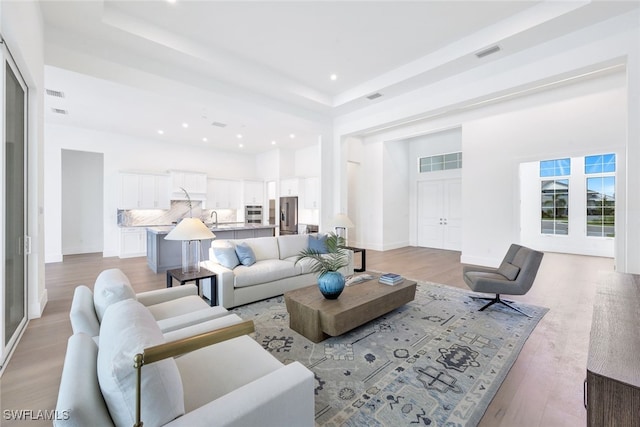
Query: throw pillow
{"points": [[509, 270], [111, 286], [126, 330], [245, 254], [226, 256], [318, 243]]}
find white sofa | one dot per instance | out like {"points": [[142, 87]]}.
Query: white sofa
{"points": [[172, 308], [273, 273], [234, 383]]}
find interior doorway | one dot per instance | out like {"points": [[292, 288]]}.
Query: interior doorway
{"points": [[82, 202]]}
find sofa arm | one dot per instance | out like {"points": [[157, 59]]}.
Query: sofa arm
{"points": [[83, 313], [226, 282], [284, 397], [158, 296], [203, 327], [80, 401]]}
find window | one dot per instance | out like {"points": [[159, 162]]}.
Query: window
{"points": [[601, 204], [557, 167], [555, 207], [554, 216], [440, 162]]}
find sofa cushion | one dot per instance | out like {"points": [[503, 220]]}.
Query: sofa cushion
{"points": [[127, 328], [263, 272], [509, 270], [226, 255], [177, 307], [290, 245], [318, 243], [111, 286], [264, 247], [245, 254]]}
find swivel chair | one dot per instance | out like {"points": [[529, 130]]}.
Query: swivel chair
{"points": [[515, 276]]}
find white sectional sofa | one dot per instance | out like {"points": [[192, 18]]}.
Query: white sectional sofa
{"points": [[273, 273]]}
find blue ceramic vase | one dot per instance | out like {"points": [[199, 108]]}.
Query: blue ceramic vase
{"points": [[331, 284]]}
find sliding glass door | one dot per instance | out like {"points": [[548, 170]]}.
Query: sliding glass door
{"points": [[14, 229]]}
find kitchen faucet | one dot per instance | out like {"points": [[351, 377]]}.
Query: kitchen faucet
{"points": [[214, 212]]}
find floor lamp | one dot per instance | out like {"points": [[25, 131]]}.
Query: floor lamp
{"points": [[191, 231], [341, 222]]}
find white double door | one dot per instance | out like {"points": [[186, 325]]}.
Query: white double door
{"points": [[440, 214]]}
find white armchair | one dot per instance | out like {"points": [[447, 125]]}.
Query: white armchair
{"points": [[231, 383], [173, 308]]}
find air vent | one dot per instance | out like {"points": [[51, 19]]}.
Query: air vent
{"points": [[218, 124], [56, 93], [374, 96], [59, 111], [488, 51]]}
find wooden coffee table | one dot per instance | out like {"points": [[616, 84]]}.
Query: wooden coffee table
{"points": [[317, 318]]}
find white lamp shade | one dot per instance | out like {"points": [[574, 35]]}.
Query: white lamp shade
{"points": [[342, 221], [190, 229]]}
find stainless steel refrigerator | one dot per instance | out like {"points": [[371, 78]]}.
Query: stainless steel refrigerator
{"points": [[288, 215]]}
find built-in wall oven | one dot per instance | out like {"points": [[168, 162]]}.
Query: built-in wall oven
{"points": [[253, 214]]}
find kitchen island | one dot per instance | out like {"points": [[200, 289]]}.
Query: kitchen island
{"points": [[163, 255]]}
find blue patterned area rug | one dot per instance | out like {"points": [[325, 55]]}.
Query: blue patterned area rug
{"points": [[436, 361]]}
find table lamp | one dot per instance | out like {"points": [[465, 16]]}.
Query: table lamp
{"points": [[190, 231], [342, 222]]}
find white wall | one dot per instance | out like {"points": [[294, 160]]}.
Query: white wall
{"points": [[21, 26], [466, 100], [123, 152], [395, 180], [82, 202], [576, 120]]}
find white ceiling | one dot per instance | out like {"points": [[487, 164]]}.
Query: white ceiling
{"points": [[263, 67]]}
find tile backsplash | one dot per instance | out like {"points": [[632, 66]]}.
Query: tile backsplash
{"points": [[179, 209]]}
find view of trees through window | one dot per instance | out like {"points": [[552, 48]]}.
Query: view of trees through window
{"points": [[600, 195], [601, 201], [555, 207], [554, 218]]}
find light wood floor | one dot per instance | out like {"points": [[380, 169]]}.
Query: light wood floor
{"points": [[544, 387]]}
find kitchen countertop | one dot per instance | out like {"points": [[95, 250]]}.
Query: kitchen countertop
{"points": [[164, 229]]}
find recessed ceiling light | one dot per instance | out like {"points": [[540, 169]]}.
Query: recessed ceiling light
{"points": [[333, 77], [240, 145], [273, 143], [185, 125], [160, 131], [292, 135], [239, 136], [205, 139], [171, 1]]}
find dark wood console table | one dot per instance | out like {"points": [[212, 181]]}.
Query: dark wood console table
{"points": [[612, 386]]}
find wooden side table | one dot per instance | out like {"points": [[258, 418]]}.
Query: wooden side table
{"points": [[195, 277]]}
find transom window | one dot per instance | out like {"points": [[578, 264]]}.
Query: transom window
{"points": [[440, 162], [557, 167]]}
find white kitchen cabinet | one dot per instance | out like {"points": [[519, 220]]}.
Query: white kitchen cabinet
{"points": [[253, 193], [195, 183], [312, 193], [133, 242], [223, 194], [290, 187], [143, 191]]}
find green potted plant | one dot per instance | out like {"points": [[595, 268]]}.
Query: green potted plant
{"points": [[326, 258]]}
